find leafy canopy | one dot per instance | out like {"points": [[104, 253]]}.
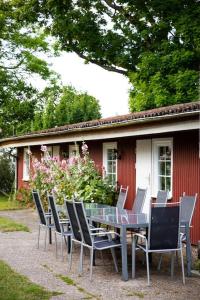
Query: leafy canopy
{"points": [[155, 43], [21, 46], [65, 105]]}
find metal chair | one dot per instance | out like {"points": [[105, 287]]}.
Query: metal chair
{"points": [[163, 235], [44, 218], [161, 199], [139, 200], [122, 197], [59, 225], [89, 241], [187, 209]]}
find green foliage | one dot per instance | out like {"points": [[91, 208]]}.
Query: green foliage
{"points": [[155, 43], [64, 105], [17, 287], [23, 197], [9, 203], [21, 46], [76, 177], [6, 174]]}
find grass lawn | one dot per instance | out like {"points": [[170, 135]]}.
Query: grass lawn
{"points": [[7, 204], [8, 225], [14, 286]]}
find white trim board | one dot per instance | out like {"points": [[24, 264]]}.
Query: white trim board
{"points": [[119, 132]]}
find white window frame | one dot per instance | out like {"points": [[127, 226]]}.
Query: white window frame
{"points": [[156, 143], [72, 149], [52, 150], [106, 147], [26, 164]]}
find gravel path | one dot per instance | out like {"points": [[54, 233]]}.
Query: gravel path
{"points": [[19, 250]]}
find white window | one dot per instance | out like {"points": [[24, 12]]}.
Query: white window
{"points": [[73, 150], [162, 165], [110, 162], [26, 164], [53, 151]]}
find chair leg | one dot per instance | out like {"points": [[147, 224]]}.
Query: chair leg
{"points": [[182, 265], [147, 263], [38, 237], [56, 245], [81, 260], [159, 263], [62, 247], [70, 256], [45, 238], [172, 264], [133, 257], [114, 259], [91, 261]]}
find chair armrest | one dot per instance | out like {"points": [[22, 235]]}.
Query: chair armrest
{"points": [[64, 221], [105, 233], [140, 235], [97, 229]]}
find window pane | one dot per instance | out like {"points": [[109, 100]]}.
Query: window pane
{"points": [[162, 183], [110, 154], [162, 168], [161, 153], [168, 153], [168, 183], [168, 168]]}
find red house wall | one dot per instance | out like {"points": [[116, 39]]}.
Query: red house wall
{"points": [[186, 175]]}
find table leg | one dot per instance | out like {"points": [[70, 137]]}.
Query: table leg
{"points": [[124, 254], [50, 233], [188, 250]]}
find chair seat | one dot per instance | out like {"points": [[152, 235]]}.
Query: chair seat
{"points": [[67, 233], [106, 244], [100, 238]]}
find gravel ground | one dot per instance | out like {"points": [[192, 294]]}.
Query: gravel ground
{"points": [[19, 250]]}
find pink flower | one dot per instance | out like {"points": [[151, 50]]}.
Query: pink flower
{"points": [[84, 148]]}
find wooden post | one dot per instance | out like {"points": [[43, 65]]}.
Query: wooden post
{"points": [[198, 249]]}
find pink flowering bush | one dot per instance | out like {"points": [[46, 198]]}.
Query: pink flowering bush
{"points": [[76, 176]]}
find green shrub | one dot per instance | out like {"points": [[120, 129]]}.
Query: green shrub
{"points": [[7, 174]]}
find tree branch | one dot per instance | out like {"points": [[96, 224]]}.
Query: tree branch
{"points": [[13, 67], [106, 67]]}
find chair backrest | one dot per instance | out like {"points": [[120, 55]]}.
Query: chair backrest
{"points": [[164, 227], [83, 223], [122, 197], [39, 207], [139, 200], [54, 213], [73, 220], [161, 199], [187, 208]]}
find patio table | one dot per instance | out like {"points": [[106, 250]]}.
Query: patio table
{"points": [[126, 219], [117, 218]]}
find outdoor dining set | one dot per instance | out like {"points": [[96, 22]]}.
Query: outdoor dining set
{"points": [[165, 229]]}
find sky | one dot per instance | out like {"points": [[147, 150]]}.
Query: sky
{"points": [[110, 88]]}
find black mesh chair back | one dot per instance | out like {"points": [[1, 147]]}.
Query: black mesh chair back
{"points": [[187, 208], [83, 223], [139, 200], [164, 227], [73, 220], [161, 199], [39, 207], [54, 213], [122, 197]]}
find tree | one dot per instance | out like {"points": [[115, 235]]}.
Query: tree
{"points": [[20, 47], [155, 43], [66, 106]]}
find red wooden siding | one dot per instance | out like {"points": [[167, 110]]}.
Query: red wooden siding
{"points": [[126, 168], [186, 175], [96, 153]]}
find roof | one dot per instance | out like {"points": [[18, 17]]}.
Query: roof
{"points": [[168, 112]]}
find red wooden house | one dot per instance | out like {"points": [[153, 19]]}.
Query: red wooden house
{"points": [[158, 149]]}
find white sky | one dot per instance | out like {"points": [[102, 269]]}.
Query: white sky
{"points": [[110, 88]]}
